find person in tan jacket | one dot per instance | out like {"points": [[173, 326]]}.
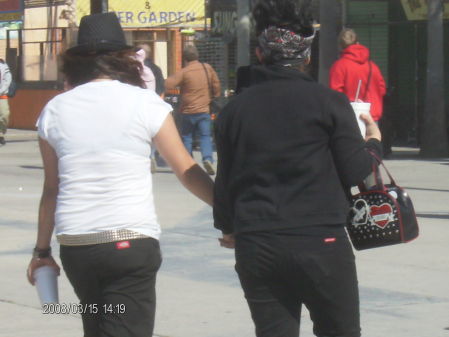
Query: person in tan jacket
{"points": [[198, 83]]}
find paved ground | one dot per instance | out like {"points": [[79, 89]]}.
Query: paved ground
{"points": [[404, 289]]}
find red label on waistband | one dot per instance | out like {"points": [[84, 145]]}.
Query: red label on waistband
{"points": [[329, 240], [122, 245]]}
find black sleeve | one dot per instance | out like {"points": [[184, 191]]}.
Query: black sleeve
{"points": [[160, 83], [222, 209], [349, 150]]}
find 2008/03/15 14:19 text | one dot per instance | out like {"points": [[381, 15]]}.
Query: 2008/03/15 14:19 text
{"points": [[79, 308]]}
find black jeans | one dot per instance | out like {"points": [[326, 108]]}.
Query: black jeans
{"points": [[115, 283], [280, 272]]}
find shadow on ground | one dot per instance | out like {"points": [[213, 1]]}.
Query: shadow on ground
{"points": [[412, 153]]}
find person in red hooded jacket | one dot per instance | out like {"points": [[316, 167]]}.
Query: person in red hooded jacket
{"points": [[354, 66]]}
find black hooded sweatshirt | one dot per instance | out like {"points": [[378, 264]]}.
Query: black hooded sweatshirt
{"points": [[288, 149]]}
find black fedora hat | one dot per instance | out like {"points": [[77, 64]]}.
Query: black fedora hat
{"points": [[99, 33]]}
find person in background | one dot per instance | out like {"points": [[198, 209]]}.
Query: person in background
{"points": [[193, 81], [355, 66], [243, 80], [288, 149], [157, 72], [159, 87], [5, 81], [95, 141], [146, 73]]}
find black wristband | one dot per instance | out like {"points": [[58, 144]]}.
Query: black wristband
{"points": [[40, 253]]}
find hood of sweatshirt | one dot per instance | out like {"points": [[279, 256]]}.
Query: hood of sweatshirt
{"points": [[275, 72], [248, 76], [357, 53]]}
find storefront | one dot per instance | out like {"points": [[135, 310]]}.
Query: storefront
{"points": [[49, 27], [396, 33], [394, 30]]}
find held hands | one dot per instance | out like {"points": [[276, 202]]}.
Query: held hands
{"points": [[40, 262], [372, 130], [228, 241]]}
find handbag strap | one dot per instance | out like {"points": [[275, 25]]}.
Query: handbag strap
{"points": [[380, 186], [208, 81], [379, 160]]}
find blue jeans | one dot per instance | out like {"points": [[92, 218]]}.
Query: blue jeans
{"points": [[198, 123]]}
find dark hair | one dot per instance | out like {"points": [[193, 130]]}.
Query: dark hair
{"points": [[118, 65], [295, 15], [190, 53]]}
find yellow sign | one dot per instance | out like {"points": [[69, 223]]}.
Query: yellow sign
{"points": [[152, 13], [417, 9], [11, 10], [11, 16]]}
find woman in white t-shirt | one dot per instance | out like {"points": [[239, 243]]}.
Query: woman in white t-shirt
{"points": [[96, 141]]}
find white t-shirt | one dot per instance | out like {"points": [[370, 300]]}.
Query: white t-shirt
{"points": [[102, 132]]}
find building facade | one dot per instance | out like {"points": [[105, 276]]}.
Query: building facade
{"points": [[394, 30], [50, 26]]}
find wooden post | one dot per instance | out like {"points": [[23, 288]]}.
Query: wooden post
{"points": [[243, 33], [329, 29], [434, 137]]}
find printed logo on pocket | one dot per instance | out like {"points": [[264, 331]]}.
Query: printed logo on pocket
{"points": [[123, 245]]}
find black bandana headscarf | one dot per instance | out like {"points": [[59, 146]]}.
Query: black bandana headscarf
{"points": [[283, 46]]}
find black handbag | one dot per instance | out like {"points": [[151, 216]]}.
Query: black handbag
{"points": [[381, 216]]}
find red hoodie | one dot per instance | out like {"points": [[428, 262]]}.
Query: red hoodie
{"points": [[352, 67]]}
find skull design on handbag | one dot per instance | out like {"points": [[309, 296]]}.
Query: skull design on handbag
{"points": [[360, 213]]}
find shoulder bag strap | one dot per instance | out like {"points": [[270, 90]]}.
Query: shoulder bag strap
{"points": [[377, 162], [385, 168], [208, 81]]}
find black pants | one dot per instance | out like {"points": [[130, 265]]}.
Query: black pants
{"points": [[280, 272], [115, 283]]}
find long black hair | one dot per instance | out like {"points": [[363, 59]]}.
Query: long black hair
{"points": [[295, 15], [117, 65]]}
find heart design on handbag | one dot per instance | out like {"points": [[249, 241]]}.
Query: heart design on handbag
{"points": [[381, 215], [387, 210]]}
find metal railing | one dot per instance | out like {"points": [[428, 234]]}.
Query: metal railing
{"points": [[32, 54]]}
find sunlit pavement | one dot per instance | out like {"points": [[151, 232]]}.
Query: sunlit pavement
{"points": [[404, 289]]}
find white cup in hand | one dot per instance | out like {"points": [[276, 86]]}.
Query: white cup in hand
{"points": [[361, 108], [372, 130], [46, 281]]}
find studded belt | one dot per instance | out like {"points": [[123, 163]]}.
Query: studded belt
{"points": [[97, 238]]}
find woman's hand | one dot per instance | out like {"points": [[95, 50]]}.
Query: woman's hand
{"points": [[40, 262], [372, 130], [227, 241]]}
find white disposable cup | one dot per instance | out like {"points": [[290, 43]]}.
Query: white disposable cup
{"points": [[46, 281], [361, 108]]}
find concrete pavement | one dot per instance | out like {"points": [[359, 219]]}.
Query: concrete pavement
{"points": [[404, 288]]}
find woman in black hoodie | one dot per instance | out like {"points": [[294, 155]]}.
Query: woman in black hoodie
{"points": [[288, 149]]}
